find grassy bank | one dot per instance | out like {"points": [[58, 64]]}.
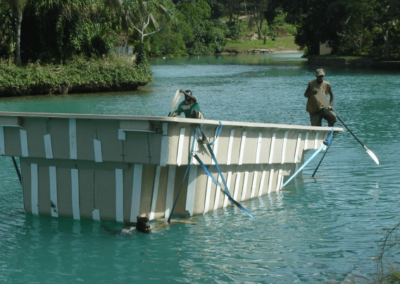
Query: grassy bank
{"points": [[278, 43], [79, 75]]}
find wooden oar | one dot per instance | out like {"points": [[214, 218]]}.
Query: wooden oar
{"points": [[369, 152]]}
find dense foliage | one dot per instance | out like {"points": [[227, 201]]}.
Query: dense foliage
{"points": [[77, 75], [359, 27], [53, 31]]}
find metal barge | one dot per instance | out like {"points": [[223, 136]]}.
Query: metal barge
{"points": [[115, 168]]}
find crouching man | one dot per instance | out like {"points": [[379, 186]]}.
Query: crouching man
{"points": [[189, 107]]}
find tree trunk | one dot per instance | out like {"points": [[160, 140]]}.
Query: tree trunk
{"points": [[260, 28], [387, 46], [265, 40], [18, 15]]}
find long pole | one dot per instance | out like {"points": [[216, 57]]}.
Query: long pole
{"points": [[369, 152], [16, 168], [322, 159]]}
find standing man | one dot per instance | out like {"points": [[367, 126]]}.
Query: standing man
{"points": [[189, 106], [318, 105]]}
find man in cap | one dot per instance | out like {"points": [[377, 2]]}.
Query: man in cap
{"points": [[318, 105], [189, 106]]}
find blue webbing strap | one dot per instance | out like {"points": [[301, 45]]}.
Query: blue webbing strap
{"points": [[226, 191], [206, 170], [216, 135], [325, 143], [184, 177]]}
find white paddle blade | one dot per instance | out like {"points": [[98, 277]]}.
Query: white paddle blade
{"points": [[372, 155], [175, 101]]}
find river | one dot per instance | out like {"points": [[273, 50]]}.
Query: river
{"points": [[324, 230]]}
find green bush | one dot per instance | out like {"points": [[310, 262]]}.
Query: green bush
{"points": [[78, 74]]}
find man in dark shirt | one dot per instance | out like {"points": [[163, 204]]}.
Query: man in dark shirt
{"points": [[318, 105], [189, 107]]}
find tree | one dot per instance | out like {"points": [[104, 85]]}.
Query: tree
{"points": [[145, 15], [258, 8], [355, 34], [387, 25], [16, 8], [311, 18]]}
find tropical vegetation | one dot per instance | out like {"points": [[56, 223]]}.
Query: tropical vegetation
{"points": [[53, 31], [78, 75]]}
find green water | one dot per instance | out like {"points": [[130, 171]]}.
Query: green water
{"points": [[326, 231]]}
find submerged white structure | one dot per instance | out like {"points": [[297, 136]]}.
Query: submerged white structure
{"points": [[115, 168]]}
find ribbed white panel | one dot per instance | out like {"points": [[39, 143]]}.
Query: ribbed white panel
{"points": [[136, 191], [230, 145], [24, 143], [47, 146], [119, 195], [72, 139], [2, 141], [75, 194], [262, 182], [53, 191], [254, 184], [271, 177], [259, 140], [34, 189], [242, 147], [170, 190], [271, 152], [155, 192], [180, 146], [98, 157], [217, 193], [228, 182]]}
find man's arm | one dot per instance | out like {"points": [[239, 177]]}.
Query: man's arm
{"points": [[309, 92], [175, 113], [332, 97]]}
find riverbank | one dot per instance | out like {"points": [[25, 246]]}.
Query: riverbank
{"points": [[353, 62], [261, 51], [80, 75]]}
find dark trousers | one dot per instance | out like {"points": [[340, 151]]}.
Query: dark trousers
{"points": [[327, 114]]}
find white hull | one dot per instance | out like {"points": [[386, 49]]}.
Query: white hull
{"points": [[115, 168]]}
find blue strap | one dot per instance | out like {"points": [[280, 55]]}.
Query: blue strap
{"points": [[226, 191], [325, 143], [206, 170], [184, 177], [328, 141], [216, 135]]}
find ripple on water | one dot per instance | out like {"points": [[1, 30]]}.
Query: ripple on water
{"points": [[325, 231]]}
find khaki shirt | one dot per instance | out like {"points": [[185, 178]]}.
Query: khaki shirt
{"points": [[313, 104]]}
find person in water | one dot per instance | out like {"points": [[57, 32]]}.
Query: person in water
{"points": [[317, 104], [189, 107]]}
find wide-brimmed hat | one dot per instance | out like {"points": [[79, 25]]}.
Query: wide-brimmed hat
{"points": [[320, 72], [188, 94]]}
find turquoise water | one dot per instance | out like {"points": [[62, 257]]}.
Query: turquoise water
{"points": [[323, 230]]}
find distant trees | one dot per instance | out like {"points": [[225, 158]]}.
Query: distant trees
{"points": [[56, 30], [14, 10], [369, 27], [53, 30]]}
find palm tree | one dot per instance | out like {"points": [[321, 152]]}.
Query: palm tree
{"points": [[68, 8], [16, 7]]}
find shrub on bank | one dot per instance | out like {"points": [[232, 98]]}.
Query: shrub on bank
{"points": [[80, 75]]}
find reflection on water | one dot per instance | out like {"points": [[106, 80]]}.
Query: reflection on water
{"points": [[321, 230]]}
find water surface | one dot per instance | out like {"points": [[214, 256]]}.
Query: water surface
{"points": [[325, 231]]}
